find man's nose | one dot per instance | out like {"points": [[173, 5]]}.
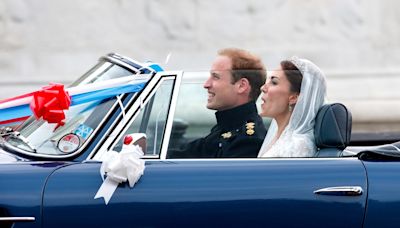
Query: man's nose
{"points": [[207, 83]]}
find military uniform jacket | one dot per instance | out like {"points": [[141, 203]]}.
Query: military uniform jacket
{"points": [[239, 133]]}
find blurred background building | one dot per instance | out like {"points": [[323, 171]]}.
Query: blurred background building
{"points": [[355, 42]]}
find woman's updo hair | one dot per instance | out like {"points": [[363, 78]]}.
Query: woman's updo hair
{"points": [[293, 75]]}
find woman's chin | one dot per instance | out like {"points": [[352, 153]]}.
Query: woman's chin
{"points": [[265, 113]]}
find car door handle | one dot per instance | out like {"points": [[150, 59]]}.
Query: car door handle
{"points": [[340, 191], [17, 219]]}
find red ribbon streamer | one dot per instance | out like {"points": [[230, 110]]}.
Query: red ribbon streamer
{"points": [[14, 120], [50, 103]]}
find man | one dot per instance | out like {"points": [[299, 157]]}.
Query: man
{"points": [[233, 86]]}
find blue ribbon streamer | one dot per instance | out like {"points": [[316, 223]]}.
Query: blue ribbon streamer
{"points": [[24, 110]]}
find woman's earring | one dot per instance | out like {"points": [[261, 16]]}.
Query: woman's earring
{"points": [[290, 108]]}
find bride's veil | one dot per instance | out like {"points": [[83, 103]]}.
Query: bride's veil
{"points": [[312, 97]]}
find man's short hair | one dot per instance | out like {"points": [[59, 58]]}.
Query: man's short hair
{"points": [[246, 65]]}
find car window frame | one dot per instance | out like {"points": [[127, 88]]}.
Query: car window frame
{"points": [[132, 110]]}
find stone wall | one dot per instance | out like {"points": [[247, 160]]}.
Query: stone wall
{"points": [[357, 43]]}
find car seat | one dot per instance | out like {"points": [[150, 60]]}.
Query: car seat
{"points": [[332, 130]]}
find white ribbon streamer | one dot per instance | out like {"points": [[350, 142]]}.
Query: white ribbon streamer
{"points": [[126, 165]]}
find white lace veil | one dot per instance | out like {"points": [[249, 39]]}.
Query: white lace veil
{"points": [[300, 129]]}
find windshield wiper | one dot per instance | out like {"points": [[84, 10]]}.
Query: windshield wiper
{"points": [[8, 131]]}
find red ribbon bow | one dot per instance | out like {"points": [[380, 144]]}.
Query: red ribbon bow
{"points": [[50, 103]]}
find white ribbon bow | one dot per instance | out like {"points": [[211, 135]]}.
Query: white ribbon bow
{"points": [[120, 167]]}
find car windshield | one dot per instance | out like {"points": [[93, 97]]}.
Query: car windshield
{"points": [[38, 137]]}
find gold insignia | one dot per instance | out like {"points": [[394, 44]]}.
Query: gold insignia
{"points": [[250, 125], [250, 131], [250, 128], [226, 135]]}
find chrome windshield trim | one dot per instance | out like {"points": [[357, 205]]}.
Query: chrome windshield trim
{"points": [[118, 125], [130, 115], [120, 63], [17, 219], [118, 59]]}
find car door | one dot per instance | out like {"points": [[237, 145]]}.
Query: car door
{"points": [[383, 198], [211, 193]]}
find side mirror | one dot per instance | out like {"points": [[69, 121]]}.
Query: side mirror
{"points": [[139, 139]]}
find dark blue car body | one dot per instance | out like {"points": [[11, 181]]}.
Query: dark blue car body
{"points": [[58, 190]]}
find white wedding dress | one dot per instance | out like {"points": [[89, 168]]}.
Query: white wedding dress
{"points": [[297, 140]]}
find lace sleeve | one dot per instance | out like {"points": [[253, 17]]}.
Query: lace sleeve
{"points": [[303, 147], [292, 146]]}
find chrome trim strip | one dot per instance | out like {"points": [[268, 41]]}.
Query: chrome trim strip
{"points": [[170, 117], [340, 191], [17, 219], [121, 63], [118, 59], [151, 157], [131, 114]]}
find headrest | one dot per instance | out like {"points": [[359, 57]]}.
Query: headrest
{"points": [[333, 126]]}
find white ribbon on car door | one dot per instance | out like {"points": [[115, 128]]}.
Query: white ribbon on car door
{"points": [[120, 167]]}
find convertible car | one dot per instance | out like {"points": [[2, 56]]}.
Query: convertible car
{"points": [[50, 172]]}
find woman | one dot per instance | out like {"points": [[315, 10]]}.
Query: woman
{"points": [[292, 96]]}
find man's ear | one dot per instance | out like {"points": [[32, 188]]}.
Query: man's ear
{"points": [[293, 98], [243, 85]]}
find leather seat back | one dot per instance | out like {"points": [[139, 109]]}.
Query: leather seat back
{"points": [[332, 130]]}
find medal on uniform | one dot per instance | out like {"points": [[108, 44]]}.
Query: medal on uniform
{"points": [[250, 128], [226, 135]]}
